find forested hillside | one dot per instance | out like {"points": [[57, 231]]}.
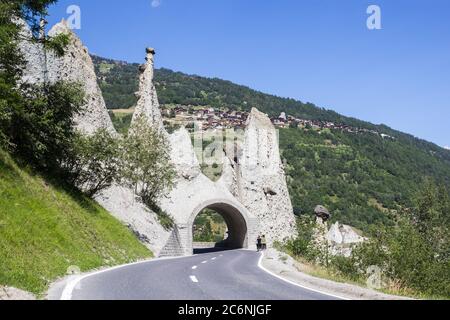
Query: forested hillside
{"points": [[361, 177], [119, 80]]}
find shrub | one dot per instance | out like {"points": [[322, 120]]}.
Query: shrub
{"points": [[301, 245], [145, 164], [95, 164], [414, 253], [345, 266], [164, 218], [41, 127]]}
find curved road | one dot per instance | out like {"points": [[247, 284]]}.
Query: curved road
{"points": [[225, 275]]}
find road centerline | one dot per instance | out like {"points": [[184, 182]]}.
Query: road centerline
{"points": [[168, 274]]}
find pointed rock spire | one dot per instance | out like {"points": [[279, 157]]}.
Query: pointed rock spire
{"points": [[148, 104], [257, 119], [33, 53], [261, 181], [76, 66], [183, 155]]}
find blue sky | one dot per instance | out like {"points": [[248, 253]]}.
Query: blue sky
{"points": [[316, 51]]}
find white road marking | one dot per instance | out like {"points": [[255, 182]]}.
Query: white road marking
{"points": [[73, 283], [194, 267], [294, 283], [214, 258], [205, 262]]}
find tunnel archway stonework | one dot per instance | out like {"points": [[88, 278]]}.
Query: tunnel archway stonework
{"points": [[252, 200], [190, 197], [237, 219]]}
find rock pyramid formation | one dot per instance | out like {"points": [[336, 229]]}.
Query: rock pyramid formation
{"points": [[193, 192], [74, 66], [259, 181], [251, 195], [34, 71], [148, 104]]}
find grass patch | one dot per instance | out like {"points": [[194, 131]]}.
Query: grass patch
{"points": [[322, 272], [45, 228], [121, 121]]}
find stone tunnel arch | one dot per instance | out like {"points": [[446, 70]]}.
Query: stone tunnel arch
{"points": [[235, 217]]}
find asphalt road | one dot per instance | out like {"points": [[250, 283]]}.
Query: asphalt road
{"points": [[226, 275]]}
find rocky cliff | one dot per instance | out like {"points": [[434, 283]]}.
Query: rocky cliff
{"points": [[260, 182], [74, 66], [252, 195], [147, 105], [34, 54]]}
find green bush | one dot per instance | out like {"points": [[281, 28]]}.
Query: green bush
{"points": [[95, 164], [345, 266], [164, 218], [36, 121], [301, 246], [415, 253], [40, 128], [145, 164]]}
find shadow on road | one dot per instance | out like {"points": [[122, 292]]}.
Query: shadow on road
{"points": [[209, 250]]}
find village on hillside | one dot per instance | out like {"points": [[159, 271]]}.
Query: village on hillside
{"points": [[208, 118]]}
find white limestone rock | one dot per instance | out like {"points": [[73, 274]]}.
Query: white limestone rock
{"points": [[340, 239], [183, 155], [229, 178], [334, 234], [343, 234], [193, 191], [33, 52], [261, 182], [76, 66], [122, 203], [148, 104]]}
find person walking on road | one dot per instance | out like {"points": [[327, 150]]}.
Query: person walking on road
{"points": [[263, 242], [259, 243]]}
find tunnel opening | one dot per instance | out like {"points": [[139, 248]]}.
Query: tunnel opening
{"points": [[218, 227]]}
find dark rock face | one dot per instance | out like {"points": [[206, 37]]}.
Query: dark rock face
{"points": [[150, 51], [269, 191], [322, 212]]}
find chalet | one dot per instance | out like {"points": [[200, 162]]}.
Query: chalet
{"points": [[179, 110]]}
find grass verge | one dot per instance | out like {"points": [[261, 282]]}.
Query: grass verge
{"points": [[46, 228]]}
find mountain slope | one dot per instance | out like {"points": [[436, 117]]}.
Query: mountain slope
{"points": [[119, 80], [46, 228], [361, 177]]}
